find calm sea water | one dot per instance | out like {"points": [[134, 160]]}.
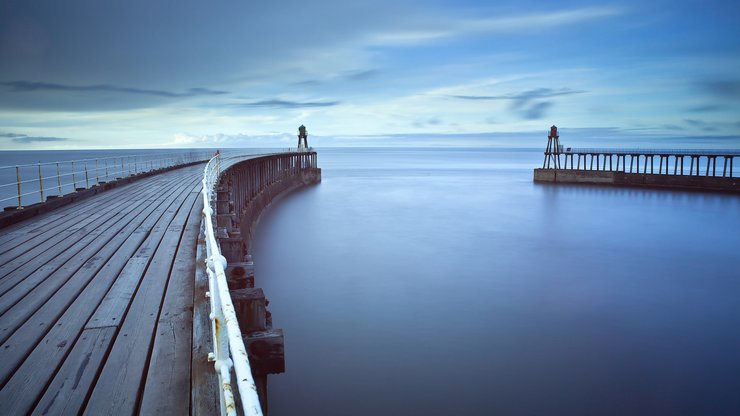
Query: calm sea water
{"points": [[445, 282]]}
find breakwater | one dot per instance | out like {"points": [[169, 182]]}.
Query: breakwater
{"points": [[674, 168], [709, 183]]}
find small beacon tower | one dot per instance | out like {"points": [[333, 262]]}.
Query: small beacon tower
{"points": [[552, 152], [302, 134]]}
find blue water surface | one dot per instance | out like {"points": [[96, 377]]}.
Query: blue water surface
{"points": [[446, 282]]}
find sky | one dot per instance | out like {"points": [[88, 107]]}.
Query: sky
{"points": [[82, 74]]}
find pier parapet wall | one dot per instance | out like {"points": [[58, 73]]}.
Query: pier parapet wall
{"points": [[245, 189]]}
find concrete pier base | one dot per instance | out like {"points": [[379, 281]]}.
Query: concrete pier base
{"points": [[698, 183]]}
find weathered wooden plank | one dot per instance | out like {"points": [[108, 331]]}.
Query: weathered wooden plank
{"points": [[120, 382], [75, 273], [74, 316], [67, 392], [50, 255], [204, 394], [167, 388], [66, 221], [48, 249], [53, 273], [112, 309], [19, 233]]}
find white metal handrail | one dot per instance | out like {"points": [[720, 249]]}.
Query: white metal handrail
{"points": [[57, 178], [224, 325]]}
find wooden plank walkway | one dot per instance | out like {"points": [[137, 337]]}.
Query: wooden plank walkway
{"points": [[96, 302]]}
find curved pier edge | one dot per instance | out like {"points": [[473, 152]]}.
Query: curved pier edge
{"points": [[245, 190]]}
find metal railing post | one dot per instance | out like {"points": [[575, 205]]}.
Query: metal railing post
{"points": [[41, 184], [74, 181], [59, 180], [97, 176], [123, 170], [106, 170], [18, 181], [87, 181]]}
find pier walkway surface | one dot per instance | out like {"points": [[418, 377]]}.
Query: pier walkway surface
{"points": [[96, 302]]}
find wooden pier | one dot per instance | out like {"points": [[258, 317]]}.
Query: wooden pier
{"points": [[102, 301], [675, 168]]}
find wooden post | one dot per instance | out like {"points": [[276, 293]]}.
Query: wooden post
{"points": [[266, 351], [251, 309], [240, 275]]}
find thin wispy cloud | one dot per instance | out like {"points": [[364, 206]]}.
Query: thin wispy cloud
{"points": [[428, 30], [728, 89], [287, 104], [524, 96], [529, 104], [537, 111], [708, 108], [31, 86], [24, 139], [701, 124]]}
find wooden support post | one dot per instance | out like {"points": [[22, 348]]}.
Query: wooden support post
{"points": [[646, 160], [714, 165], [227, 221], [232, 248], [724, 169], [660, 165], [579, 162], [632, 158], [731, 159], [266, 351], [592, 161], [251, 309], [240, 275], [681, 165]]}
